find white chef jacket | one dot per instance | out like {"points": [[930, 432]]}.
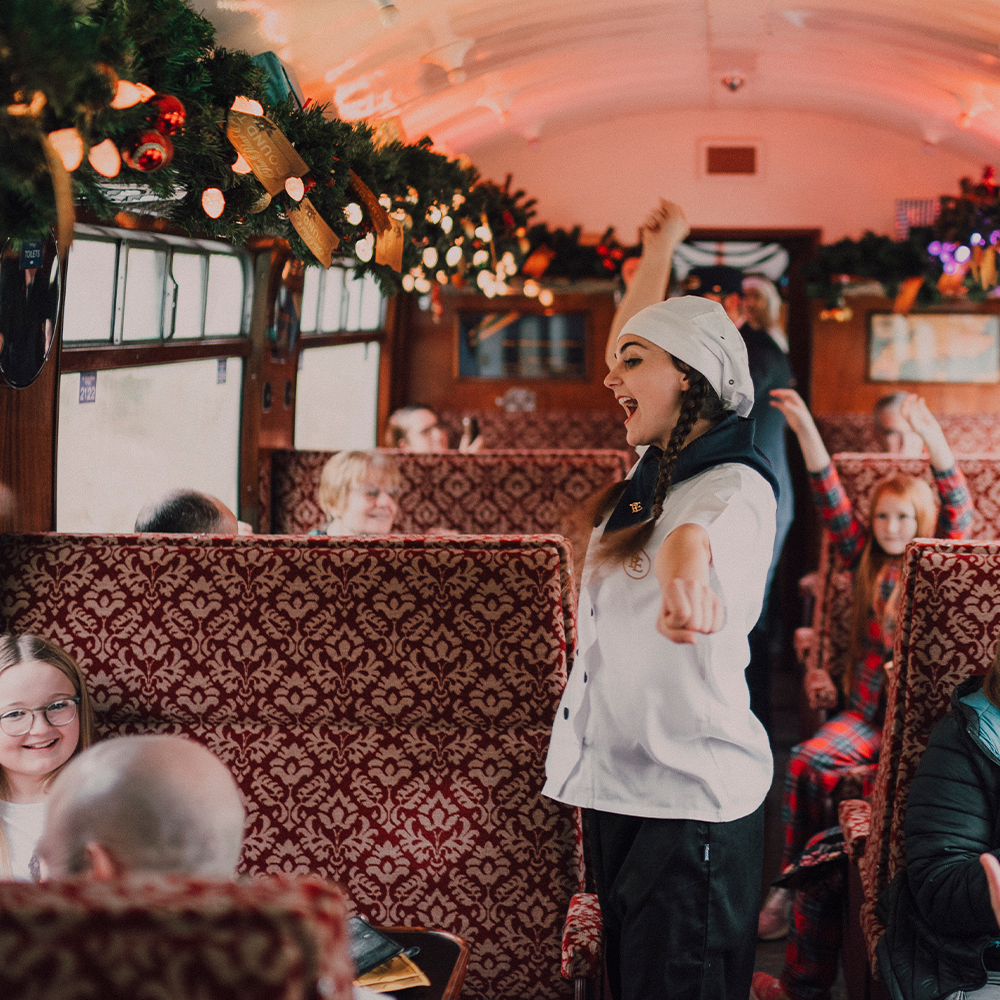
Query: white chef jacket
{"points": [[649, 727]]}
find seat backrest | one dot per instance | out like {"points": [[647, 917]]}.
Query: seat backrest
{"points": [[968, 433], [494, 492], [949, 620], [270, 939], [542, 428], [860, 474], [384, 704]]}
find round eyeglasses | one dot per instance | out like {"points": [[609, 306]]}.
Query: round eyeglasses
{"points": [[19, 721], [371, 492]]}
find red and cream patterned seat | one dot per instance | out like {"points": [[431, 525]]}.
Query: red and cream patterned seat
{"points": [[174, 939], [490, 493], [967, 433], [385, 706], [949, 621], [542, 428]]}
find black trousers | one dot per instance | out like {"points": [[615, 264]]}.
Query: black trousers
{"points": [[679, 900]]}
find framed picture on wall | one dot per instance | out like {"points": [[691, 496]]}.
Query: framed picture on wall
{"points": [[522, 345], [934, 347]]}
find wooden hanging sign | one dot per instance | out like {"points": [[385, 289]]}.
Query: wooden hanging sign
{"points": [[263, 145], [315, 233]]}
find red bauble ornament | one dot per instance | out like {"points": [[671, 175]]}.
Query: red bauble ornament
{"points": [[166, 114], [148, 151]]}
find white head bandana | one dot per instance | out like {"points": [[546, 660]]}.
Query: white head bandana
{"points": [[698, 332]]}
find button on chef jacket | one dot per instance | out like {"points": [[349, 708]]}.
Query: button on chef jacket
{"points": [[649, 727]]}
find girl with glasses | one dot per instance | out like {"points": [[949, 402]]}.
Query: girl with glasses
{"points": [[45, 719]]}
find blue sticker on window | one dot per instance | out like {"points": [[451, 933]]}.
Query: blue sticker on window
{"points": [[31, 254], [220, 372], [88, 387]]}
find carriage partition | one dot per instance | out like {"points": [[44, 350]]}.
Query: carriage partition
{"points": [[384, 704], [522, 429], [489, 492]]}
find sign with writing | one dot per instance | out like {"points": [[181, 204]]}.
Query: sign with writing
{"points": [[315, 233], [88, 387], [31, 254], [263, 145]]}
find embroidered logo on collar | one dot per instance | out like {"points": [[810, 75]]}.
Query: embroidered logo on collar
{"points": [[637, 566], [635, 506]]}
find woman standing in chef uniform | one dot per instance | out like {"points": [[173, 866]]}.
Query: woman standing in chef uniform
{"points": [[654, 737]]}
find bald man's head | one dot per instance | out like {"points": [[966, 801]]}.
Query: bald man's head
{"points": [[187, 512], [143, 804]]}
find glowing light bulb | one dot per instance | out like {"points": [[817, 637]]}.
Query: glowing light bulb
{"points": [[458, 199], [408, 282], [364, 249], [352, 212], [453, 256], [385, 201], [442, 278], [434, 214], [531, 288], [247, 106], [430, 257], [484, 280], [484, 233], [479, 258], [127, 95], [241, 166], [546, 298], [446, 224], [105, 158], [68, 143], [962, 254], [294, 188], [422, 285], [213, 201]]}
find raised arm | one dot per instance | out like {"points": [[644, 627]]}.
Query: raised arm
{"points": [[955, 519], [795, 411], [690, 606], [662, 231], [832, 502]]}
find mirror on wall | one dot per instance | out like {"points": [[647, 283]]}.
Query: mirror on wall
{"points": [[30, 282]]}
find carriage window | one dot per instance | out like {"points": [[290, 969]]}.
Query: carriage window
{"points": [[336, 400], [90, 291], [144, 279], [129, 434], [125, 286], [225, 297], [335, 300], [310, 299], [187, 274]]}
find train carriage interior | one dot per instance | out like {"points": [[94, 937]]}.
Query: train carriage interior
{"points": [[236, 236]]}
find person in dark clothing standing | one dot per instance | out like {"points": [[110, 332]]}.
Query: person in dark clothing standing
{"points": [[942, 939], [769, 369]]}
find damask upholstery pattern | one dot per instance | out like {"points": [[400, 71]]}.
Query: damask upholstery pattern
{"points": [[385, 707], [542, 428], [859, 474], [495, 493], [967, 433], [174, 939], [949, 621], [854, 816], [581, 944]]}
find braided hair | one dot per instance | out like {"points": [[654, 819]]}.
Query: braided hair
{"points": [[698, 400]]}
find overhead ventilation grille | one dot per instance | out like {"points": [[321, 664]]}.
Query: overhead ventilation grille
{"points": [[731, 160]]}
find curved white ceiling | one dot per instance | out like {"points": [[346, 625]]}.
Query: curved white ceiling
{"points": [[467, 72]]}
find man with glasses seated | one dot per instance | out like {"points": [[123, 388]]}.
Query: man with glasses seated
{"points": [[359, 494]]}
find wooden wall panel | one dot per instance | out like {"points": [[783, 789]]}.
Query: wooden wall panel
{"points": [[425, 358], [840, 359], [27, 450]]}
